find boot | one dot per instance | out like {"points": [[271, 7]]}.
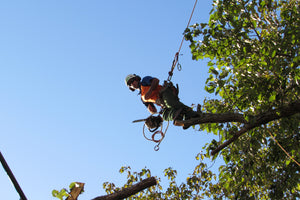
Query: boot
{"points": [[189, 113], [178, 115]]}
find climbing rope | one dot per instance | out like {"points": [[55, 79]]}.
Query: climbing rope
{"points": [[153, 123], [283, 148], [175, 60], [158, 132]]}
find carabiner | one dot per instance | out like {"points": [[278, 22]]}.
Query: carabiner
{"points": [[179, 67], [156, 148]]}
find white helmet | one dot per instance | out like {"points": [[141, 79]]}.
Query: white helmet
{"points": [[129, 78]]}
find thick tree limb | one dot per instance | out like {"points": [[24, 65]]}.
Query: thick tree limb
{"points": [[127, 192], [285, 111], [256, 121], [213, 118]]}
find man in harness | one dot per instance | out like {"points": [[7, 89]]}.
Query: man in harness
{"points": [[165, 95]]}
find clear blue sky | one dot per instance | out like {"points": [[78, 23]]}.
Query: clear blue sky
{"points": [[65, 112]]}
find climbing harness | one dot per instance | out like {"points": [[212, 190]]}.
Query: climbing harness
{"points": [[153, 123], [175, 60]]}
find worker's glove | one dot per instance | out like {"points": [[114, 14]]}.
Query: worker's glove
{"points": [[153, 122]]}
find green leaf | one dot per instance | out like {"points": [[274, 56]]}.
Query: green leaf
{"points": [[54, 193], [214, 71], [272, 98], [72, 185], [273, 54], [264, 63]]}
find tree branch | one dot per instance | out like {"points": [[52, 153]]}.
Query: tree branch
{"points": [[258, 120], [285, 111], [127, 192], [76, 191], [213, 118]]}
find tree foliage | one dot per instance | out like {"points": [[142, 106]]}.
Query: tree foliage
{"points": [[253, 52], [197, 185]]}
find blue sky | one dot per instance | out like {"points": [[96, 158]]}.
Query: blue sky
{"points": [[65, 111]]}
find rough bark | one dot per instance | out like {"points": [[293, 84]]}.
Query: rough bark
{"points": [[127, 192]]}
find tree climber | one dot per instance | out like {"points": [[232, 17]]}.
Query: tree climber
{"points": [[165, 96]]}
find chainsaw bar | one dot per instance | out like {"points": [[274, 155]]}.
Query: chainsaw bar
{"points": [[139, 120]]}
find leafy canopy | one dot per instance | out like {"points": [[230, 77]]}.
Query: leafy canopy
{"points": [[253, 52]]}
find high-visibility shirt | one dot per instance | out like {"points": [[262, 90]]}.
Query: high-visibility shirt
{"points": [[145, 86]]}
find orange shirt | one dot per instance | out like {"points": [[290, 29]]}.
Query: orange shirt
{"points": [[154, 95]]}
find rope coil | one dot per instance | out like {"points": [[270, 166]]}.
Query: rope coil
{"points": [[158, 141]]}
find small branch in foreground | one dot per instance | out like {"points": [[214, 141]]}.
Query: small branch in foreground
{"points": [[76, 191], [127, 192]]}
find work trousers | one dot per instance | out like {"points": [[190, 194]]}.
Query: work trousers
{"points": [[172, 106]]}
